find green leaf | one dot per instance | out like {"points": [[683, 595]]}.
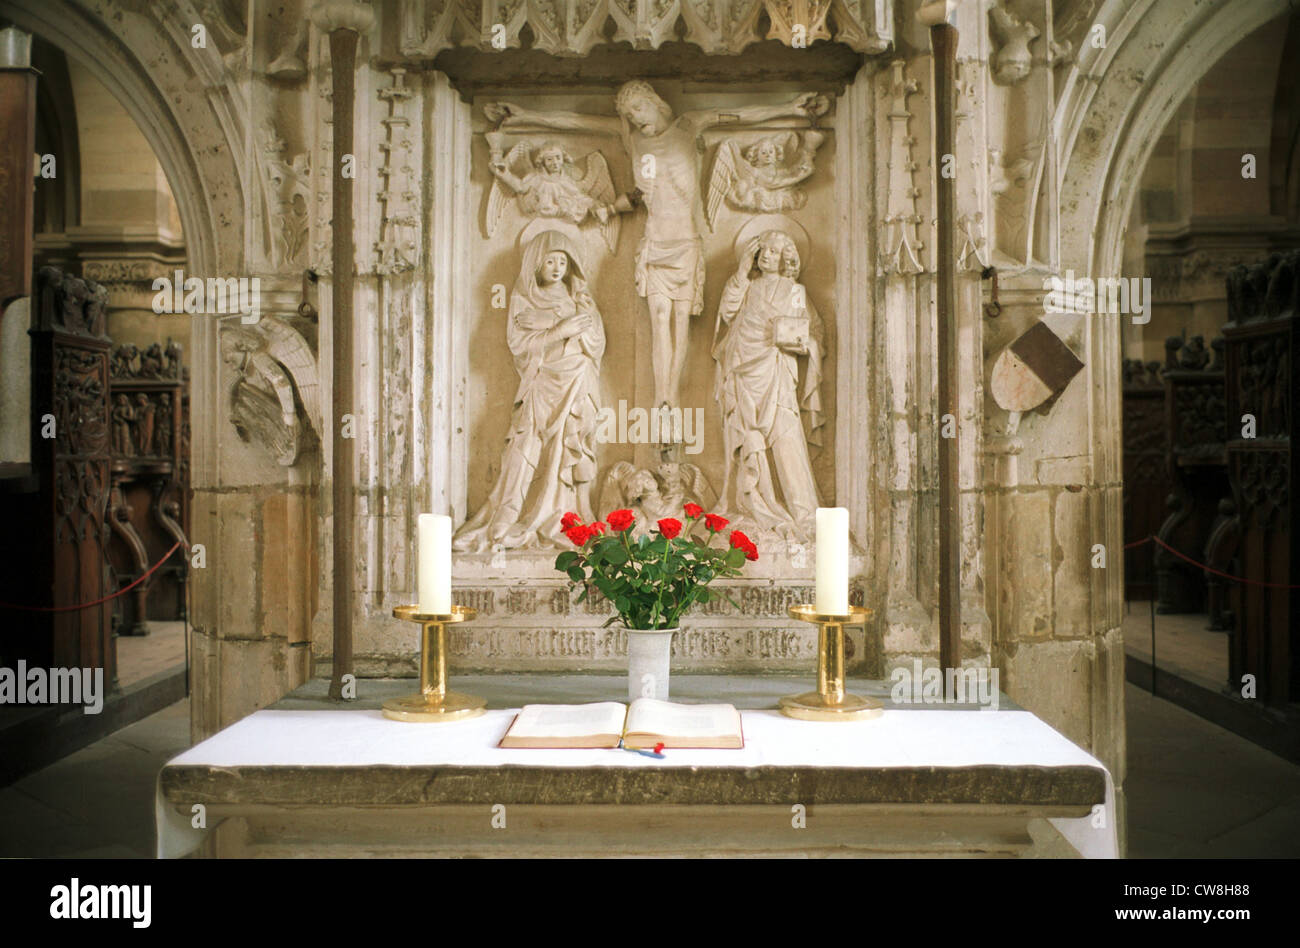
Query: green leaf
{"points": [[565, 560], [735, 558], [576, 574]]}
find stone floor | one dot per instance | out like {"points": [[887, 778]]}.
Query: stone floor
{"points": [[1194, 790], [1184, 647], [141, 657]]}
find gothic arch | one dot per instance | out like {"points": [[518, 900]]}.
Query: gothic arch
{"points": [[184, 101], [1113, 108]]}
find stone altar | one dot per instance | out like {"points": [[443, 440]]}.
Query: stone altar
{"points": [[298, 780]]}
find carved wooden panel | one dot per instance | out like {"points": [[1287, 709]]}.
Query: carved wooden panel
{"points": [[56, 556], [1146, 472], [1262, 347], [1195, 420]]}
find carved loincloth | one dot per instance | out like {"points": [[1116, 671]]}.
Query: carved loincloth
{"points": [[672, 268]]}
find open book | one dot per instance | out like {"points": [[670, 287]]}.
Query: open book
{"points": [[644, 723]]}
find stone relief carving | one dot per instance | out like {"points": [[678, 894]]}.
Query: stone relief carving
{"points": [[573, 27], [1009, 185], [653, 495], [289, 195], [1012, 59], [399, 220], [665, 165], [770, 324], [545, 183], [762, 176], [548, 467], [901, 246], [273, 363]]}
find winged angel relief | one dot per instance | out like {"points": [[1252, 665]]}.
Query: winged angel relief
{"points": [[544, 180], [763, 175]]}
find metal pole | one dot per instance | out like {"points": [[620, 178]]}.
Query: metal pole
{"points": [[943, 43], [343, 57]]}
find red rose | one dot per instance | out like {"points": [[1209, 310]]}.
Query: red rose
{"points": [[694, 510], [570, 519], [595, 528], [738, 540], [715, 523], [670, 527], [620, 520], [577, 534], [751, 552]]}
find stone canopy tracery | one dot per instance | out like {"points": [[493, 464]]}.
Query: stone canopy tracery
{"points": [[573, 27]]}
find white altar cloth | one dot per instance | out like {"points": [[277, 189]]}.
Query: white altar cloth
{"points": [[899, 738]]}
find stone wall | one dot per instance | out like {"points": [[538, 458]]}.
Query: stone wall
{"points": [[1053, 134]]}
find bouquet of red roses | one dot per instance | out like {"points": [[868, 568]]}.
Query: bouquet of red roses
{"points": [[651, 580]]}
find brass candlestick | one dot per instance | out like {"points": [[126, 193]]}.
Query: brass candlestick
{"points": [[434, 702], [829, 702]]}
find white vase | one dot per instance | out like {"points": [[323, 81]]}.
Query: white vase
{"points": [[648, 652]]}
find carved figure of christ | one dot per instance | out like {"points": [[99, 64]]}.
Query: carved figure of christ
{"points": [[665, 166]]}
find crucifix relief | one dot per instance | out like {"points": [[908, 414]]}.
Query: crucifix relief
{"points": [[665, 165]]}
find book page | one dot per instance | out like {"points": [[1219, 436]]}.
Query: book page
{"points": [[563, 721], [651, 716]]}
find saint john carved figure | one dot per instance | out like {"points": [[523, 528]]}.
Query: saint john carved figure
{"points": [[665, 164], [556, 336], [769, 324]]}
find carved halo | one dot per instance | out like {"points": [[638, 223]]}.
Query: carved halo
{"points": [[539, 224], [761, 223]]}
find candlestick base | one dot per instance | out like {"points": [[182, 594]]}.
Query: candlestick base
{"points": [[452, 706], [814, 706], [434, 702], [830, 702]]}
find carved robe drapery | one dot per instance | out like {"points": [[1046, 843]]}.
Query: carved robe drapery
{"points": [[757, 388], [549, 463]]}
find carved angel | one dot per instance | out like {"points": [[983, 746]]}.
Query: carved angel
{"points": [[273, 361], [762, 176], [653, 495], [545, 181]]}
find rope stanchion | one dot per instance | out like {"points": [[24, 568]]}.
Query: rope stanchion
{"points": [[87, 605]]}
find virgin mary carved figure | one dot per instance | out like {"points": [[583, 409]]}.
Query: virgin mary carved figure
{"points": [[548, 467], [770, 324]]}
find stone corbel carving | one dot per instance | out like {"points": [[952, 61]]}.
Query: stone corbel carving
{"points": [[290, 64], [901, 246], [273, 363], [331, 15], [1012, 60], [544, 182], [288, 197], [763, 175]]}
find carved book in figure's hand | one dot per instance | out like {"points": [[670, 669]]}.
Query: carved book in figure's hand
{"points": [[644, 723]]}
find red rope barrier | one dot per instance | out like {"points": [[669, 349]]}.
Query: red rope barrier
{"points": [[1235, 579], [87, 605]]}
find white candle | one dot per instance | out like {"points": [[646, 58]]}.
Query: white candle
{"points": [[433, 580], [832, 561]]}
